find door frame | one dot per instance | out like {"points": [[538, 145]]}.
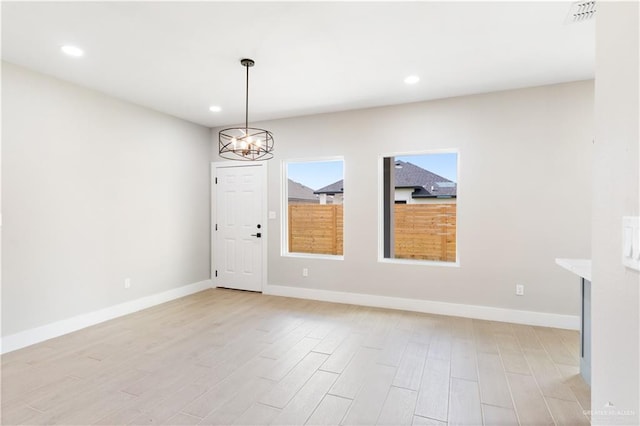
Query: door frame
{"points": [[215, 165]]}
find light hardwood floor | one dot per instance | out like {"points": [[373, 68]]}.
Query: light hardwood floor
{"points": [[229, 357]]}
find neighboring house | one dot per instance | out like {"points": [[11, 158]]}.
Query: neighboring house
{"points": [[413, 185], [300, 194], [331, 194], [416, 185]]}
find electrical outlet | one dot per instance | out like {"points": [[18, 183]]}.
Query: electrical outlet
{"points": [[127, 283], [305, 272], [519, 290]]}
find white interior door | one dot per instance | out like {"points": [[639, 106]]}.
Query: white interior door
{"points": [[238, 227]]}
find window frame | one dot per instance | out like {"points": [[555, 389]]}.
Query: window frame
{"points": [[284, 206], [381, 218]]}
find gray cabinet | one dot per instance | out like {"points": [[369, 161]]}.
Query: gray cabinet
{"points": [[582, 268], [585, 332]]}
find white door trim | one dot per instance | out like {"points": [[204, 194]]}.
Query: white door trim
{"points": [[263, 214]]}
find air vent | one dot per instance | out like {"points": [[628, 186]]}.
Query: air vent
{"points": [[581, 11]]}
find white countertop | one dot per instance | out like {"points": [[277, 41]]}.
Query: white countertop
{"points": [[580, 267]]}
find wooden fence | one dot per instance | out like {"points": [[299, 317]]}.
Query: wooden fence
{"points": [[316, 228], [422, 231], [425, 231]]}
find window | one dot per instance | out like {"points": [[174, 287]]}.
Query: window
{"points": [[313, 219], [420, 194]]}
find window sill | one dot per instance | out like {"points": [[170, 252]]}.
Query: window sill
{"points": [[455, 264], [313, 256]]}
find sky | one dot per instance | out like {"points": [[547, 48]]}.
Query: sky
{"points": [[445, 165], [318, 174], [315, 174]]}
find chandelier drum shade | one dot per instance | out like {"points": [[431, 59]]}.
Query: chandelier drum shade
{"points": [[245, 143]]}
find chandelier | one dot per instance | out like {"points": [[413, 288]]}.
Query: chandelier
{"points": [[245, 143]]}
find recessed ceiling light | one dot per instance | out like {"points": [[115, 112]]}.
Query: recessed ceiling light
{"points": [[215, 108], [72, 50], [412, 79]]}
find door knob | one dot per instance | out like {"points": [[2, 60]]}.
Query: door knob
{"points": [[258, 235]]}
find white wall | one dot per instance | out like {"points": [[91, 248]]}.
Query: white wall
{"points": [[95, 190], [615, 291], [524, 195]]}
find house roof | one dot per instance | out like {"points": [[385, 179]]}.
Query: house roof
{"points": [[334, 188], [425, 183], [299, 191]]}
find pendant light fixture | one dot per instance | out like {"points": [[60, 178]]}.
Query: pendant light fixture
{"points": [[245, 143]]}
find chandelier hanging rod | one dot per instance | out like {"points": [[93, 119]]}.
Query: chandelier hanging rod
{"points": [[237, 143], [247, 63]]}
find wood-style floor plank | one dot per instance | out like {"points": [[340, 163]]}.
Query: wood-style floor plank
{"points": [[464, 403], [398, 408], [339, 359], [235, 406], [433, 396], [392, 351], [515, 362], [498, 416], [527, 337], [548, 376], [302, 406], [223, 392], [351, 379], [464, 364], [230, 357], [493, 383], [425, 421], [567, 412], [162, 410], [411, 366], [182, 419], [257, 415], [572, 378], [281, 393], [529, 403], [24, 415], [440, 344], [293, 357], [332, 340], [483, 333], [330, 411], [367, 404], [554, 345]]}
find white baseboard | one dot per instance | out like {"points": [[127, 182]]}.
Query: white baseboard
{"points": [[571, 322], [58, 328]]}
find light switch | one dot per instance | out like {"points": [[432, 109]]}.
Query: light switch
{"points": [[631, 242], [272, 214]]}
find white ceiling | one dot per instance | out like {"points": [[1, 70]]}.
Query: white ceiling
{"points": [[311, 57]]}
